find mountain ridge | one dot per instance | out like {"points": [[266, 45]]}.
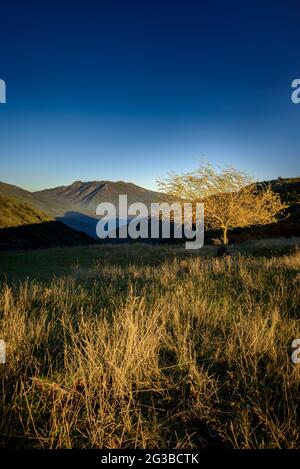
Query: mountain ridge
{"points": [[86, 195], [82, 196]]}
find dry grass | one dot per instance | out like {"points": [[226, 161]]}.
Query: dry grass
{"points": [[188, 353]]}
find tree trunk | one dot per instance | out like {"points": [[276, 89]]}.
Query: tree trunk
{"points": [[223, 248], [225, 237]]}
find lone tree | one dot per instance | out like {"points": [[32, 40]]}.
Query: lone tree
{"points": [[231, 197]]}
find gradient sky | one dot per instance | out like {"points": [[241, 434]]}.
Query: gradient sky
{"points": [[122, 89]]}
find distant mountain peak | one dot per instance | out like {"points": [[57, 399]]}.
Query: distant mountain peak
{"points": [[85, 196]]}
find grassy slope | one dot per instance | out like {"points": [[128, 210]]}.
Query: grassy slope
{"points": [[24, 227], [51, 207], [15, 213], [140, 346]]}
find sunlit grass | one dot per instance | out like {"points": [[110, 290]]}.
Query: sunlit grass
{"points": [[179, 351]]}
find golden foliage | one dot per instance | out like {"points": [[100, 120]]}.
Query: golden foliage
{"points": [[231, 198]]}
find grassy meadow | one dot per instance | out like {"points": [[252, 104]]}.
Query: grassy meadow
{"points": [[150, 347]]}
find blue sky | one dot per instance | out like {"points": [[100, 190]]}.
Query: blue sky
{"points": [[133, 89]]}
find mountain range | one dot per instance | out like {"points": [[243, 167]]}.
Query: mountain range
{"points": [[81, 196], [75, 206], [85, 196]]}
